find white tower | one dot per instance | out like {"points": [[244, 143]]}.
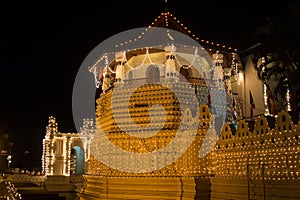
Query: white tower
{"points": [[120, 58], [106, 79], [171, 72]]}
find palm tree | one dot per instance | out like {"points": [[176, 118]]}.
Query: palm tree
{"points": [[277, 58]]}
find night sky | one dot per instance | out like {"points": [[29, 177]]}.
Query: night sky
{"points": [[43, 44]]}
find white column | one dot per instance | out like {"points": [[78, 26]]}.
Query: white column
{"points": [[171, 72], [106, 79], [120, 58]]}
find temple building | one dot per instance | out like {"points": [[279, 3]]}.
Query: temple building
{"points": [[178, 122], [65, 154]]}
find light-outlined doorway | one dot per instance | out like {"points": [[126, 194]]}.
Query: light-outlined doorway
{"points": [[77, 161]]}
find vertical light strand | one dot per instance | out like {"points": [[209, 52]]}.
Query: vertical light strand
{"points": [[288, 100], [52, 155], [267, 112]]}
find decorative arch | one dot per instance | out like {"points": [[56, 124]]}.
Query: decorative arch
{"points": [[77, 142], [242, 129], [225, 135], [284, 122], [204, 115], [188, 116], [261, 126]]}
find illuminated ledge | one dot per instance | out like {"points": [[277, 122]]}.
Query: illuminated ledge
{"points": [[233, 188], [100, 187]]}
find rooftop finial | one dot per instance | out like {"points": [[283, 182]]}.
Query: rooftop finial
{"points": [[166, 5]]}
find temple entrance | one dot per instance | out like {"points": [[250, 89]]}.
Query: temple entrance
{"points": [[77, 161]]}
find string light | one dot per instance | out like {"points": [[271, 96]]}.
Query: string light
{"points": [[166, 16], [288, 100], [9, 191], [267, 112]]}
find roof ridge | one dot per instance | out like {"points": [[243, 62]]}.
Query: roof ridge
{"points": [[167, 19]]}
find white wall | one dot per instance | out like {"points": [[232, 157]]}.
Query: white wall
{"points": [[251, 82]]}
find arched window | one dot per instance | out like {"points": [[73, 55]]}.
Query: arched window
{"points": [[185, 74], [283, 118], [153, 75], [273, 140], [130, 76]]}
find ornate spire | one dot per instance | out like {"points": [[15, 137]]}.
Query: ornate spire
{"points": [[52, 126], [166, 5]]}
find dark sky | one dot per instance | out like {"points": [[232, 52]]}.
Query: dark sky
{"points": [[43, 44]]}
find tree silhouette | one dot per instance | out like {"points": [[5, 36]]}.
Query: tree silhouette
{"points": [[277, 57]]}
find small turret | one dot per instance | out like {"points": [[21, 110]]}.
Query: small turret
{"points": [[171, 72], [52, 127], [120, 59], [218, 60], [106, 79]]}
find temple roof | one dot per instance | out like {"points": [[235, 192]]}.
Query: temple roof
{"points": [[169, 21], [166, 20]]}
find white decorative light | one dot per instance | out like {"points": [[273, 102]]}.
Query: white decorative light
{"points": [[288, 100], [267, 112]]}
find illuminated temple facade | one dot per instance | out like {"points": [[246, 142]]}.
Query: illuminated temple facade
{"points": [[251, 159]]}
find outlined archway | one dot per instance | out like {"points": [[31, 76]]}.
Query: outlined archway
{"points": [[153, 74], [77, 160]]}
